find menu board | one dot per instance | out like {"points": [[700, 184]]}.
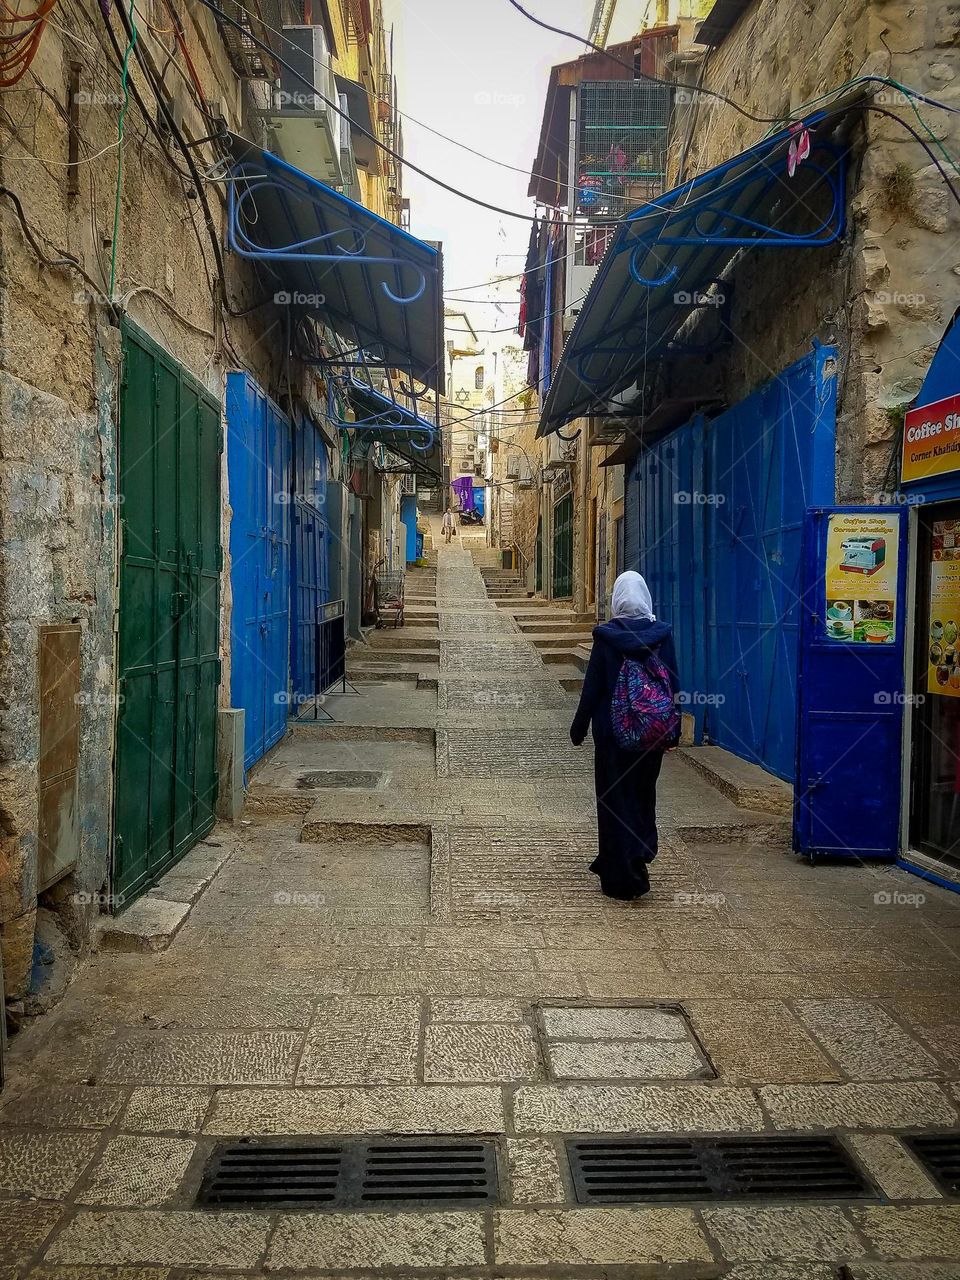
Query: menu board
{"points": [[943, 654], [861, 578]]}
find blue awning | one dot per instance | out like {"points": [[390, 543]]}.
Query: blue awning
{"points": [[377, 286], [665, 262], [402, 430]]}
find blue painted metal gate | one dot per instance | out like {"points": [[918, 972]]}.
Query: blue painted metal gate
{"points": [[719, 513], [258, 465], [311, 569]]}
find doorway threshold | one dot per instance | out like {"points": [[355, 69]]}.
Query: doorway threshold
{"points": [[927, 868]]}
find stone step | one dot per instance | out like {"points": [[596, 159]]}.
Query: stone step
{"points": [[745, 783], [545, 627], [390, 657], [568, 641]]}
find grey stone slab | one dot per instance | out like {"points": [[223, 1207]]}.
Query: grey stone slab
{"points": [[866, 1042], [916, 1231], [607, 1108], [756, 1041], [23, 1229], [377, 1241], [137, 1171], [150, 924], [156, 1109], [891, 1167], [43, 1164], [582, 1237], [479, 1052], [211, 1057], [64, 1107], [535, 1176], [625, 1059], [755, 1233], [906, 1105], [613, 1023], [515, 753], [475, 1009], [162, 1237], [363, 1040], [903, 1271], [494, 655], [430, 1109]]}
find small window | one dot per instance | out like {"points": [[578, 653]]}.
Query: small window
{"points": [[478, 377]]}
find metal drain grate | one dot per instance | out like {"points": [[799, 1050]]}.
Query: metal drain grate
{"points": [[671, 1169], [939, 1153], [350, 1174]]}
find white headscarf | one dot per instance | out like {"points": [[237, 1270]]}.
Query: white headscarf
{"points": [[631, 597]]}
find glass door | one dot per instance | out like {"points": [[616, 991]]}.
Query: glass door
{"points": [[935, 761]]}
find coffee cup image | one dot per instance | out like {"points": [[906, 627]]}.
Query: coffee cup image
{"points": [[841, 608]]}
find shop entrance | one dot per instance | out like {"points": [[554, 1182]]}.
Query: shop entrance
{"points": [[935, 737]]}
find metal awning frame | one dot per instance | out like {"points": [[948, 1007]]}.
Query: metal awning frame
{"points": [[768, 236], [340, 244], [689, 238]]}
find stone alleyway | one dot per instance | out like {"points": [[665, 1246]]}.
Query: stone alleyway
{"points": [[403, 939]]}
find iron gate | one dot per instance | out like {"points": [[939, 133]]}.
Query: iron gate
{"points": [[563, 547], [169, 669], [258, 464]]}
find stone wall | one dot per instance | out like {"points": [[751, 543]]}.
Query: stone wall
{"points": [[58, 390], [886, 293]]}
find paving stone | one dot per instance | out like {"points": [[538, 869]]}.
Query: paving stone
{"points": [[612, 1023], [634, 1108], [891, 1167], [373, 1040], [535, 1176], [24, 1227], [476, 1009], [755, 1233], [857, 1106], [432, 1109], [64, 1107], [452, 982], [514, 753], [479, 1052], [902, 1271], [597, 1236], [375, 1240], [160, 1110], [209, 1057], [504, 695], [625, 1059], [43, 1164], [755, 1041], [137, 1171], [497, 656], [96, 1272], [150, 924], [866, 1042], [163, 1237], [781, 1271], [916, 1231]]}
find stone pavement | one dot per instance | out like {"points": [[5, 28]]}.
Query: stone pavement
{"points": [[404, 939]]}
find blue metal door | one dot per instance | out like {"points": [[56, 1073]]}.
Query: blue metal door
{"points": [[670, 549], [258, 465], [766, 460], [311, 576], [847, 795]]}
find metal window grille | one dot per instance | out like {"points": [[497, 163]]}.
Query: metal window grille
{"points": [[622, 128]]}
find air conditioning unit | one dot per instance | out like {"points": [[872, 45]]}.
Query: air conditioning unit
{"points": [[304, 129], [513, 466], [604, 431], [560, 453], [525, 479]]}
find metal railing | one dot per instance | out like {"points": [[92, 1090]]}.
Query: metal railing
{"points": [[330, 655]]}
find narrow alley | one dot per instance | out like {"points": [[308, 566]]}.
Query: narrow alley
{"points": [[402, 938]]}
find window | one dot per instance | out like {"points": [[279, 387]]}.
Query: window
{"points": [[478, 378]]}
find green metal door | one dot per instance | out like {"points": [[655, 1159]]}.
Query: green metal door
{"points": [[539, 553], [563, 547], [170, 560]]}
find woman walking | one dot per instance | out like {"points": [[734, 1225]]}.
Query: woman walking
{"points": [[628, 697]]}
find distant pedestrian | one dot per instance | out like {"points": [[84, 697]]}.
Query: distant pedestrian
{"points": [[448, 524], [629, 694]]}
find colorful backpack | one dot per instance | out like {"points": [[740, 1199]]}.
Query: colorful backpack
{"points": [[643, 712]]}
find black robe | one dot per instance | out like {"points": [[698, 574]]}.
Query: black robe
{"points": [[626, 781]]}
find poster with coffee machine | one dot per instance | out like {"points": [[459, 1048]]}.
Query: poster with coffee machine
{"points": [[943, 657], [861, 578]]}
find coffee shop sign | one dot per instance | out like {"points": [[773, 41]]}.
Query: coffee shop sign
{"points": [[931, 439]]}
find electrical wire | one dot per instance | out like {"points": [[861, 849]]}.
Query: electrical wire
{"points": [[121, 118], [19, 48], [714, 93]]}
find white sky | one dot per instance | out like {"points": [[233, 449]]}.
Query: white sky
{"points": [[477, 70]]}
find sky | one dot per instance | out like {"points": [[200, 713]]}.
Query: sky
{"points": [[477, 70]]}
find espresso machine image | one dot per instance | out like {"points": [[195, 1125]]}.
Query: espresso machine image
{"points": [[863, 553]]}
